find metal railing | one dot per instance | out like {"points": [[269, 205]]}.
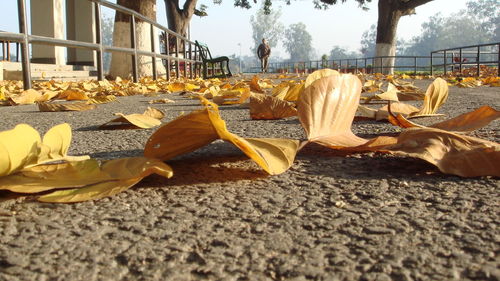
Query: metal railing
{"points": [[454, 58], [364, 65], [188, 54], [467, 56]]}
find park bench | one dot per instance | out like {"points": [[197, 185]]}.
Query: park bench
{"points": [[212, 67]]}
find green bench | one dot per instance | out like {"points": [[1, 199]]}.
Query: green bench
{"points": [[213, 67]]}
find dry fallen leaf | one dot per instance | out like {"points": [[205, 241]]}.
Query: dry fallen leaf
{"points": [[101, 99], [452, 153], [467, 122], [435, 96], [53, 107], [199, 128], [165, 100], [88, 179], [254, 85], [149, 119], [269, 107]]}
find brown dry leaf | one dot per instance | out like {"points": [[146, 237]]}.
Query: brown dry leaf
{"points": [[165, 100], [73, 95], [467, 122], [391, 94], [236, 96], [364, 112], [47, 95], [435, 96], [26, 97], [149, 119], [101, 99], [254, 85], [396, 108], [452, 153], [53, 107], [371, 86], [319, 74], [91, 180], [199, 128], [269, 107]]}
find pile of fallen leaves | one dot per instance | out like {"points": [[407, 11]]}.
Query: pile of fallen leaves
{"points": [[326, 104]]}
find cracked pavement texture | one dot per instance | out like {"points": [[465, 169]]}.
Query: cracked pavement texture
{"points": [[330, 217]]}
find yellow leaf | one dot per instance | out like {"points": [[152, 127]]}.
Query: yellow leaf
{"points": [[19, 147], [73, 95], [165, 100], [318, 75], [97, 180], [101, 99], [199, 128], [294, 92], [254, 85], [26, 97], [53, 107], [149, 119]]}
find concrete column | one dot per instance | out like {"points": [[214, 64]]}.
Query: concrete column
{"points": [[47, 19], [80, 27]]}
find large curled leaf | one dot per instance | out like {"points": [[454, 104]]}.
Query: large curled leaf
{"points": [[199, 128], [452, 153], [326, 110]]}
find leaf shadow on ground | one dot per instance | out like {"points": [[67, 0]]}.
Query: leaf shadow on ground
{"points": [[340, 164]]}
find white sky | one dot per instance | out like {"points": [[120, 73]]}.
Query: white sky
{"points": [[226, 25]]}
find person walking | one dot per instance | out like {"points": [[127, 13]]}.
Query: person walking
{"points": [[263, 52]]}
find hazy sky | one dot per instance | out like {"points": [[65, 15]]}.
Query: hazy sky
{"points": [[226, 25]]}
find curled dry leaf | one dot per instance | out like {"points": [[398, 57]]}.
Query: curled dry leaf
{"points": [[149, 119], [101, 99], [391, 94], [452, 153], [26, 97], [269, 107], [326, 110], [435, 96], [73, 95], [236, 96], [254, 85], [88, 178], [466, 122], [53, 107], [165, 100], [396, 108], [199, 128]]}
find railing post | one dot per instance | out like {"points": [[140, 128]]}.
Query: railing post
{"points": [[478, 58], [498, 66], [460, 61], [177, 72], [356, 66], [21, 8], [153, 59], [431, 63], [98, 40], [190, 63], [445, 62], [415, 63], [167, 52], [133, 44]]}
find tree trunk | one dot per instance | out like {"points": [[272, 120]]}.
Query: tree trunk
{"points": [[178, 19], [389, 13], [121, 63], [388, 18]]}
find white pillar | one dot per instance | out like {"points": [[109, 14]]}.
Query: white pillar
{"points": [[80, 20], [47, 19]]}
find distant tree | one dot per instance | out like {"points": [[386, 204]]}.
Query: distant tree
{"points": [[489, 16], [298, 42], [324, 61], [266, 26], [338, 52]]}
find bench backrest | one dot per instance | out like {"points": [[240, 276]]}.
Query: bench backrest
{"points": [[204, 51]]}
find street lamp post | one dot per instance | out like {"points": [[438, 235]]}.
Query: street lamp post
{"points": [[239, 44]]}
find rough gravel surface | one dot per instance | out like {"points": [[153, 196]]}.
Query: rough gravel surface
{"points": [[330, 217]]}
